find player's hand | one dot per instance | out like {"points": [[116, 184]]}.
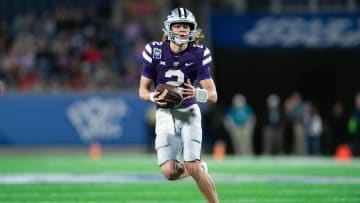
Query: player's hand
{"points": [[189, 91], [158, 99]]}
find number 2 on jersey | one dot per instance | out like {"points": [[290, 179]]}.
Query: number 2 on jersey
{"points": [[178, 74]]}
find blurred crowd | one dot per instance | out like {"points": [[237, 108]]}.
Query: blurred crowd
{"points": [[76, 47], [292, 126], [97, 45]]}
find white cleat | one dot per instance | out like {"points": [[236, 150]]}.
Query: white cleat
{"points": [[204, 166]]}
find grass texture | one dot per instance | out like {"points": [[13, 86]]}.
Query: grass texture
{"points": [[135, 178]]}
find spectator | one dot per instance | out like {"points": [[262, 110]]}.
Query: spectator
{"points": [[297, 113], [288, 133], [312, 129], [354, 125], [2, 88], [240, 121], [273, 126]]}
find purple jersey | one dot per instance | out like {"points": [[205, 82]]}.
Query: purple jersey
{"points": [[164, 66]]}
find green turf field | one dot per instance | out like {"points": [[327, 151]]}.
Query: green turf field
{"points": [[119, 177]]}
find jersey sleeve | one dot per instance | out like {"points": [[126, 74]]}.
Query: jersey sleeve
{"points": [[148, 69], [205, 63]]}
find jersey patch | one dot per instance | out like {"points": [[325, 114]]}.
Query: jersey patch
{"points": [[157, 53]]}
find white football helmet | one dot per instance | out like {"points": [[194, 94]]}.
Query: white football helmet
{"points": [[180, 15]]}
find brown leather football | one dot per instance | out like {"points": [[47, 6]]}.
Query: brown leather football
{"points": [[171, 94]]}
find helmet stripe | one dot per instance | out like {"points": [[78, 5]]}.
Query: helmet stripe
{"points": [[182, 13], [179, 12]]}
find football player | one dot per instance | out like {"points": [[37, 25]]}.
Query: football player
{"points": [[181, 61]]}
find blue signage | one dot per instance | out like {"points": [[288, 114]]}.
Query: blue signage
{"points": [[43, 119], [310, 31]]}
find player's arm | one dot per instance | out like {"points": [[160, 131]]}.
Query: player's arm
{"points": [[145, 91], [144, 88], [209, 86], [207, 93]]}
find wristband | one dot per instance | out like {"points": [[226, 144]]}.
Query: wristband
{"points": [[201, 95], [151, 96]]}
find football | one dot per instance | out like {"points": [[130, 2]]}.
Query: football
{"points": [[171, 94]]}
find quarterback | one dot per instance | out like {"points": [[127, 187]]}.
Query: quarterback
{"points": [[180, 60]]}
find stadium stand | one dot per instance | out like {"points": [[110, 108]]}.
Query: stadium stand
{"points": [[50, 45]]}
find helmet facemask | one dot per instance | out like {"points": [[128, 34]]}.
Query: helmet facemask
{"points": [[180, 15]]}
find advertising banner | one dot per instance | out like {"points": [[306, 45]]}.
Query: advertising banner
{"points": [[286, 31], [65, 119]]}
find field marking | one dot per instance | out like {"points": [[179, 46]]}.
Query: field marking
{"points": [[29, 178]]}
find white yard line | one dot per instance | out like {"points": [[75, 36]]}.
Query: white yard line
{"points": [[29, 178]]}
